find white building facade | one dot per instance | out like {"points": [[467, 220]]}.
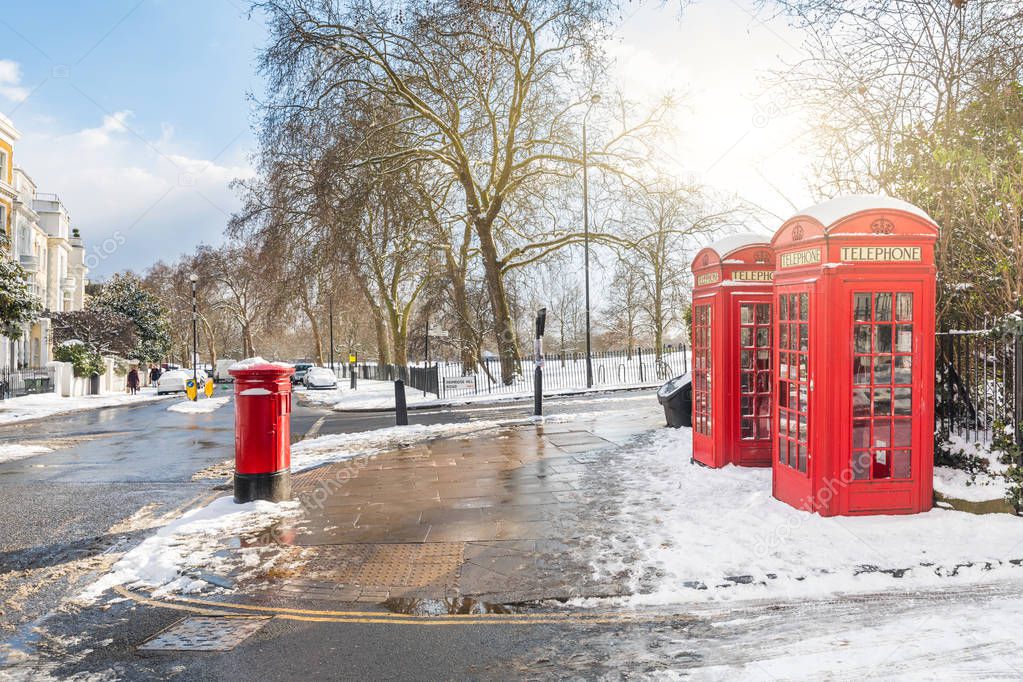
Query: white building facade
{"points": [[42, 239]]}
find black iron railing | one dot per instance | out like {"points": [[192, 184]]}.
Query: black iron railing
{"points": [[979, 385]]}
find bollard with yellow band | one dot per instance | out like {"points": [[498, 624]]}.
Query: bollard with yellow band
{"points": [[208, 388], [190, 389]]}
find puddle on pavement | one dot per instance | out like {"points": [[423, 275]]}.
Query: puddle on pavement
{"points": [[440, 607]]}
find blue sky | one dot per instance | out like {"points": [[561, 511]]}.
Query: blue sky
{"points": [[135, 113]]}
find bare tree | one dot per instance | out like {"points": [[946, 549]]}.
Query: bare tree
{"points": [[485, 92]]}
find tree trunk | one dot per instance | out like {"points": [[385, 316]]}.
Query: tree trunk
{"points": [[211, 343], [504, 330], [399, 342], [247, 347], [468, 345]]}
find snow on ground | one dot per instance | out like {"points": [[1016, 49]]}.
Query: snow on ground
{"points": [[370, 395], [379, 395], [948, 639], [682, 530], [12, 451], [170, 559], [46, 404], [335, 448], [958, 484], [200, 406]]}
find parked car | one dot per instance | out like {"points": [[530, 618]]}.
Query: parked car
{"points": [[220, 371], [173, 381], [300, 369], [319, 377]]}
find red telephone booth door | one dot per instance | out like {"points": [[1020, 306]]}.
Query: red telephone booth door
{"points": [[752, 365], [793, 459], [881, 457], [703, 383]]}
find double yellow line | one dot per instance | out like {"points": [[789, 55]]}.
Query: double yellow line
{"points": [[211, 608]]}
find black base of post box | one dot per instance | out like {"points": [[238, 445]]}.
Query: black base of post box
{"points": [[275, 487]]}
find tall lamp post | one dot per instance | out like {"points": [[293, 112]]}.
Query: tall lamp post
{"points": [[332, 370], [594, 99], [193, 278]]}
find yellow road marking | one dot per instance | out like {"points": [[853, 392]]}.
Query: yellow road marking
{"points": [[211, 608]]}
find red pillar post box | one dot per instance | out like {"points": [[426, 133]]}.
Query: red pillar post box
{"points": [[855, 308], [731, 334], [262, 431]]}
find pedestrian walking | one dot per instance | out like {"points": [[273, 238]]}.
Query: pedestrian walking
{"points": [[133, 381], [154, 374]]}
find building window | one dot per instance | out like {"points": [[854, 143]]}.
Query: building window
{"points": [[3, 166]]}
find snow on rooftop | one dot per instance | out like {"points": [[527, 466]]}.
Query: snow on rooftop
{"points": [[732, 242], [830, 212]]}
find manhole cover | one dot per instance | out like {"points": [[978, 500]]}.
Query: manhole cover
{"points": [[206, 633]]}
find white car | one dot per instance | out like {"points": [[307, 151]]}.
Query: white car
{"points": [[319, 377], [173, 381]]}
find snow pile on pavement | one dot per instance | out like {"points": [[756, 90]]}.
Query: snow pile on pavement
{"points": [[189, 544], [12, 451], [335, 448], [201, 406], [47, 404], [685, 532]]}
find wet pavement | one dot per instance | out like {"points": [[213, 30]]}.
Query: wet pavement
{"points": [[498, 517]]}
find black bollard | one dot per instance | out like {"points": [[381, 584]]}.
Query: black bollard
{"points": [[538, 392], [400, 408], [354, 380]]}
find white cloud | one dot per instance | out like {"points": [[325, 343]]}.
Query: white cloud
{"points": [[10, 81], [152, 196]]}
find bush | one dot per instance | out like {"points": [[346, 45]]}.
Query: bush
{"points": [[84, 361]]}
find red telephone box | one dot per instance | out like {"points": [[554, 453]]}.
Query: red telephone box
{"points": [[731, 330], [854, 296]]}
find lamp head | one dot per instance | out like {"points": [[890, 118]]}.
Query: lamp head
{"points": [[594, 99], [193, 278]]}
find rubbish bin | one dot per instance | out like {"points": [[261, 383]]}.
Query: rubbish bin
{"points": [[677, 398]]}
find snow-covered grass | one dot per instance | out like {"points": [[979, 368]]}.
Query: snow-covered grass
{"points": [[12, 451], [370, 395], [683, 530], [960, 485], [47, 404], [379, 395], [200, 406], [168, 560]]}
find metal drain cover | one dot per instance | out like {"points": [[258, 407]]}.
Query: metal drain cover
{"points": [[206, 633]]}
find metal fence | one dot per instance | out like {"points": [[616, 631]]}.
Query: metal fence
{"points": [[562, 371], [979, 384], [421, 378], [20, 382]]}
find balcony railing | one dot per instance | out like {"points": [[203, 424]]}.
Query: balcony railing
{"points": [[68, 283]]}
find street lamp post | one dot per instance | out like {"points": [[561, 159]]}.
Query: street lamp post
{"points": [[193, 278], [332, 371], [594, 99]]}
